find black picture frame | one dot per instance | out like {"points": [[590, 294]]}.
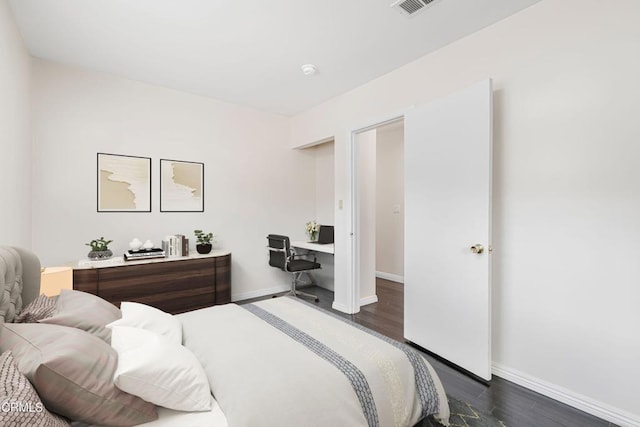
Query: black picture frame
{"points": [[123, 183], [181, 186]]}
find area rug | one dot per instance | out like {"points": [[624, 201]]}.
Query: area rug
{"points": [[465, 415]]}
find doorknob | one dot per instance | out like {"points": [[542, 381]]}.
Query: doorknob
{"points": [[477, 249]]}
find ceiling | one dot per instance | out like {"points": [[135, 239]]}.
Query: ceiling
{"points": [[249, 52]]}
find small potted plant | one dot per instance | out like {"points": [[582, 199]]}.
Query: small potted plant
{"points": [[312, 230], [204, 241], [99, 249]]}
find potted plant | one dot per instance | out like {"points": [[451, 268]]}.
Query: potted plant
{"points": [[99, 249], [204, 241], [312, 230]]}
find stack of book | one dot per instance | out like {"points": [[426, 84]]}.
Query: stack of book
{"points": [[176, 245], [137, 254]]}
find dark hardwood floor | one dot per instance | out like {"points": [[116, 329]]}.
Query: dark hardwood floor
{"points": [[516, 406]]}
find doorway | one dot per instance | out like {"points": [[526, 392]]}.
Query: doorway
{"points": [[380, 207], [378, 203]]}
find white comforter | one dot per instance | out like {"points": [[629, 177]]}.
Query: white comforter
{"points": [[281, 362]]}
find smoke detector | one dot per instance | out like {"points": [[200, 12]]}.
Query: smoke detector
{"points": [[309, 69], [410, 7]]}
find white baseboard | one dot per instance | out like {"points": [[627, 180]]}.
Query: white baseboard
{"points": [[259, 293], [390, 276], [584, 403], [368, 300], [340, 307]]}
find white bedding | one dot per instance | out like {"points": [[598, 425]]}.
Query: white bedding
{"points": [[261, 376], [170, 418], [262, 373]]}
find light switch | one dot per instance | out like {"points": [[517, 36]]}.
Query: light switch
{"points": [[340, 204], [396, 209]]}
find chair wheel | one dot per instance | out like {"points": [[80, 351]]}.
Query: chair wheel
{"points": [[317, 300]]}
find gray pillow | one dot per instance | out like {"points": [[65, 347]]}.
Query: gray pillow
{"points": [[73, 371], [38, 309], [84, 311], [21, 404]]}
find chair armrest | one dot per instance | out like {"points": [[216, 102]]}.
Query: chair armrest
{"points": [[306, 254]]}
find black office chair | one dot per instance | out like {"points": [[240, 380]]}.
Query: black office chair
{"points": [[282, 256]]}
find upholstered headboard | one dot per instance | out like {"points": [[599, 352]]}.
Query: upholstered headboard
{"points": [[19, 280]]}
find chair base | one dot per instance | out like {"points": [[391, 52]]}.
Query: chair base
{"points": [[296, 293]]}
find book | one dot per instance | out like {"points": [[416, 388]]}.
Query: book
{"points": [[144, 254], [144, 251], [185, 246]]}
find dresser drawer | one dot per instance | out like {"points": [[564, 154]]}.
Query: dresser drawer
{"points": [[174, 286]]}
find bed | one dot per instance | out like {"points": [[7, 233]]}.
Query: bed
{"points": [[277, 362]]}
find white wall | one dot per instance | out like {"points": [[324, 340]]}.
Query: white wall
{"points": [[390, 201], [325, 182], [366, 147], [15, 143], [566, 189], [254, 183]]}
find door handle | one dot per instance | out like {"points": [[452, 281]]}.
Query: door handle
{"points": [[477, 249]]}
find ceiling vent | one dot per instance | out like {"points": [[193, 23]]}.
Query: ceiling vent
{"points": [[410, 7]]}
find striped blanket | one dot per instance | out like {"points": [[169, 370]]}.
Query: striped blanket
{"points": [[283, 362]]}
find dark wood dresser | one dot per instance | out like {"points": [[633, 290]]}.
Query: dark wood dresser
{"points": [[174, 285]]}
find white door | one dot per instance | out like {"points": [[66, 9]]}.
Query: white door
{"points": [[447, 292]]}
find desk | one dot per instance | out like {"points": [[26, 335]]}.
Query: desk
{"points": [[315, 247], [323, 277]]}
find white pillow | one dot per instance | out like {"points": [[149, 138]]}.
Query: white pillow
{"points": [[159, 371], [150, 318]]}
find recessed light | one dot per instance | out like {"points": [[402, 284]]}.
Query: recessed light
{"points": [[309, 69]]}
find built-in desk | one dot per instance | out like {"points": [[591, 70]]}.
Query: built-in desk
{"points": [[315, 247], [324, 253]]}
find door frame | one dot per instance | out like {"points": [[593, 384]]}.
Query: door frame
{"points": [[353, 245]]}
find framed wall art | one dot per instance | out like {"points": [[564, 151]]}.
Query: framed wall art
{"points": [[124, 183], [181, 186]]}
